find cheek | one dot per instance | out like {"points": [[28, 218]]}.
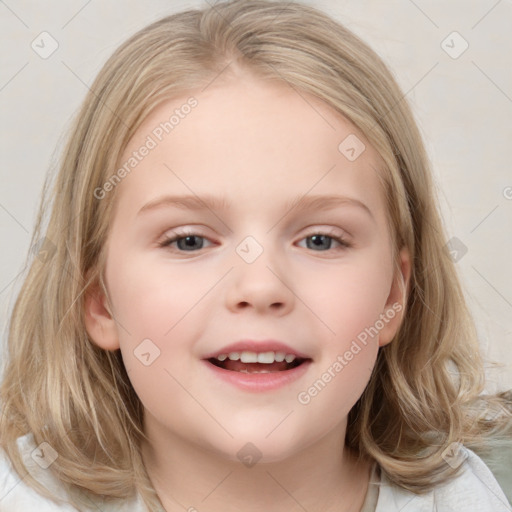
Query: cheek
{"points": [[338, 382], [150, 302], [160, 311], [348, 297], [158, 317], [349, 301]]}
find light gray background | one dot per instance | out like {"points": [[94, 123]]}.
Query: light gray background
{"points": [[463, 107]]}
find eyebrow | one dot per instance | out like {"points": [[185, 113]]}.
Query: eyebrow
{"points": [[209, 202]]}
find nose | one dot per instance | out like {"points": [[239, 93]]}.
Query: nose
{"points": [[260, 285]]}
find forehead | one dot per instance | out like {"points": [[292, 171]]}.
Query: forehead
{"points": [[252, 140]]}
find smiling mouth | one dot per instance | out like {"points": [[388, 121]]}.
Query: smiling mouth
{"points": [[238, 366]]}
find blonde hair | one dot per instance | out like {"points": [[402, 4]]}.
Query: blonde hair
{"points": [[424, 391]]}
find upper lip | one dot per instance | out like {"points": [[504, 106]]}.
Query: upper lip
{"points": [[257, 346]]}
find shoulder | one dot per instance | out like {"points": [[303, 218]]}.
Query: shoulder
{"points": [[16, 495], [475, 488]]}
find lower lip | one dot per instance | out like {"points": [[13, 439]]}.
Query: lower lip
{"points": [[259, 381]]}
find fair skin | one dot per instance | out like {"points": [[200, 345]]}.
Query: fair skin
{"points": [[259, 145]]}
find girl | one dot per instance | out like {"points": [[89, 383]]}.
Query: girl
{"points": [[242, 299]]}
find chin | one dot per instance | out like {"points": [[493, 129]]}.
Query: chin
{"points": [[256, 449]]}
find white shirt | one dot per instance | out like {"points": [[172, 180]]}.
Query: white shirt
{"points": [[474, 490]]}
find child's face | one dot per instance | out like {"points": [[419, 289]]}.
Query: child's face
{"points": [[259, 147]]}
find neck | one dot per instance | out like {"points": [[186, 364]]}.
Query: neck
{"points": [[324, 476]]}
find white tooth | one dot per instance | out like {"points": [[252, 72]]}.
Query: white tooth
{"points": [[248, 357], [289, 358], [222, 357], [234, 356], [259, 371], [279, 356], [266, 357]]}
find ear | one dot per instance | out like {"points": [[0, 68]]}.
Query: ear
{"points": [[394, 309], [99, 321]]}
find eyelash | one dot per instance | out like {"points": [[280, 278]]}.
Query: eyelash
{"points": [[166, 243]]}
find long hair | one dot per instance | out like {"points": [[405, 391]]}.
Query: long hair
{"points": [[425, 390]]}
